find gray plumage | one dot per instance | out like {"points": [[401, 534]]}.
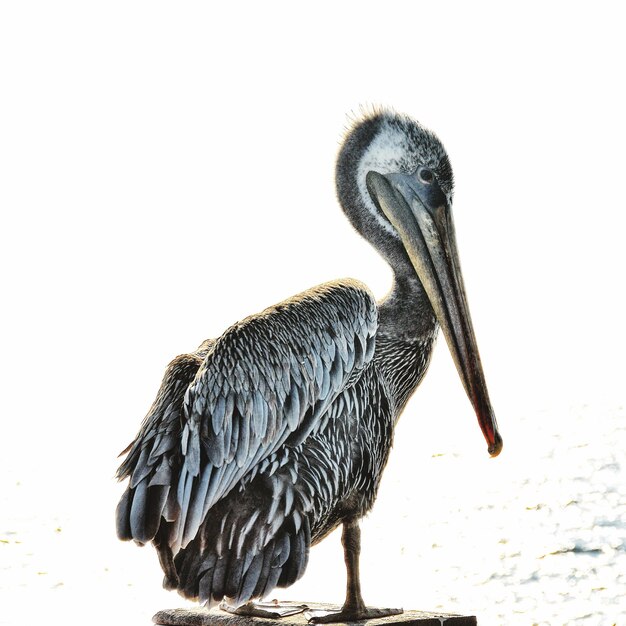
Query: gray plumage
{"points": [[262, 441], [243, 433]]}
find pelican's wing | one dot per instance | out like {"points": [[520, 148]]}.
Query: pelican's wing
{"points": [[266, 383], [153, 459]]}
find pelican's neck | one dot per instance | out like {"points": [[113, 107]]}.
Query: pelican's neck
{"points": [[405, 339], [407, 325]]}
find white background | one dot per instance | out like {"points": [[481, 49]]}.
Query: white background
{"points": [[167, 169]]}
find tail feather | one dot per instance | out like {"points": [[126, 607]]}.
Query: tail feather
{"points": [[250, 554], [166, 558], [252, 576], [153, 461], [298, 550], [242, 544], [200, 588], [234, 577], [122, 517], [219, 575], [191, 569], [259, 590], [272, 577]]}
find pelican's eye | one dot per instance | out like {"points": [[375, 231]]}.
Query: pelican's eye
{"points": [[425, 175]]}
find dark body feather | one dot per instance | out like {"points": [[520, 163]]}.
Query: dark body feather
{"points": [[307, 389]]}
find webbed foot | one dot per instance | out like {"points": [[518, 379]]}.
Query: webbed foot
{"points": [[271, 610], [349, 614]]}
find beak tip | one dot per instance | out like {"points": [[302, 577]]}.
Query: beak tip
{"points": [[496, 447]]}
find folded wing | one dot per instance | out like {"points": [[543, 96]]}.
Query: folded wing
{"points": [[268, 383], [265, 384]]}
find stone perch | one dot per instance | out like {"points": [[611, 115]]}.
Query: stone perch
{"points": [[217, 617]]}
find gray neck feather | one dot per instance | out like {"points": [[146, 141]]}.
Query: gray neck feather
{"points": [[407, 323]]}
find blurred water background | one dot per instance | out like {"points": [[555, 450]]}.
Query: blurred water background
{"points": [[167, 169], [537, 536]]}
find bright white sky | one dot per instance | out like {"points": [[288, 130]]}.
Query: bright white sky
{"points": [[167, 169]]}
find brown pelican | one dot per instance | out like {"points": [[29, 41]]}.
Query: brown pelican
{"points": [[263, 441]]}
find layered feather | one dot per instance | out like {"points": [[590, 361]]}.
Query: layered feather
{"points": [[206, 470], [267, 383]]}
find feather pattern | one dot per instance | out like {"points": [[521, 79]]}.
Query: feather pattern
{"points": [[264, 529], [154, 457], [233, 421], [264, 440]]}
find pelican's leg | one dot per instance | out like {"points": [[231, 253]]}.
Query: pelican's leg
{"points": [[354, 608]]}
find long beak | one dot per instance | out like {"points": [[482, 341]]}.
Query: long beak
{"points": [[422, 216]]}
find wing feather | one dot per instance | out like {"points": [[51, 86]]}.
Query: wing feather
{"points": [[154, 457], [268, 380]]}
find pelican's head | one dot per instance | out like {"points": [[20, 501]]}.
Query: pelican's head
{"points": [[394, 182]]}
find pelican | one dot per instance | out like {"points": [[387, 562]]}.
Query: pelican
{"points": [[266, 439]]}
